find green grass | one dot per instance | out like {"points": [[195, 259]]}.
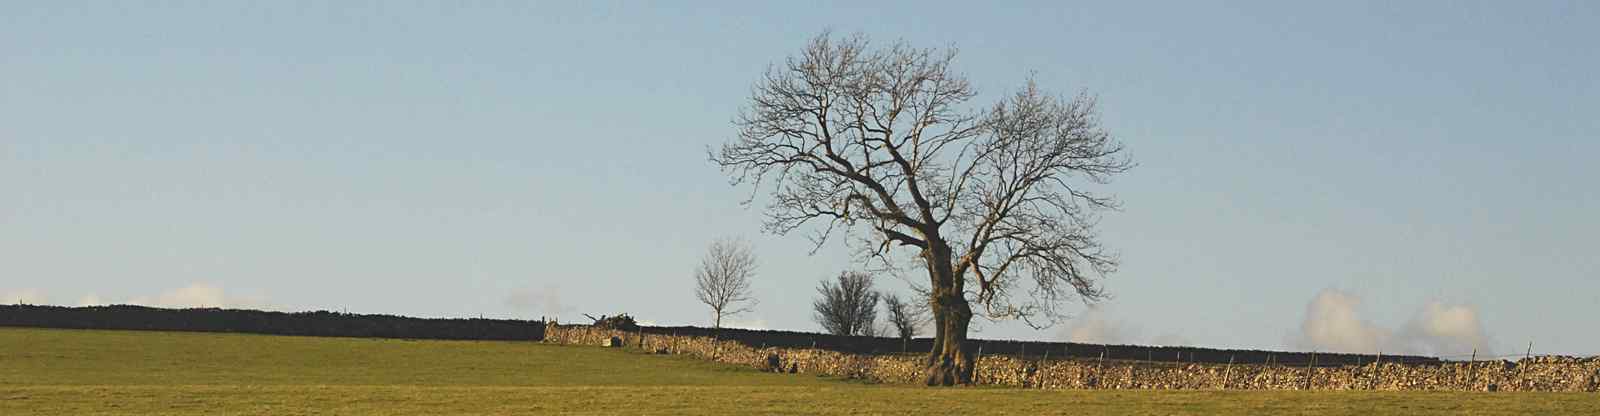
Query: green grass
{"points": [[116, 372]]}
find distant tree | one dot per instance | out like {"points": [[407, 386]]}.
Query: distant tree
{"points": [[995, 203], [848, 307], [905, 318], [722, 281]]}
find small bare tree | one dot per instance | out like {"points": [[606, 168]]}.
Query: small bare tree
{"points": [[848, 307], [995, 202], [906, 318], [723, 279]]}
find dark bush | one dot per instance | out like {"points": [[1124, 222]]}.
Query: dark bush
{"points": [[620, 322]]}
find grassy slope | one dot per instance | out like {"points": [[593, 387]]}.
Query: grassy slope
{"points": [[87, 372]]}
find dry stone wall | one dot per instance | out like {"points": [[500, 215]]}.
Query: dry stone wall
{"points": [[1033, 349], [1534, 374]]}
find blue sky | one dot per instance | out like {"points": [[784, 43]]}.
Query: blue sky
{"points": [[1361, 162]]}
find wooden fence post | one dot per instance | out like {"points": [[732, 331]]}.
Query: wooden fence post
{"points": [[1132, 374], [1039, 371], [1227, 375], [1100, 370], [1272, 360], [976, 377], [1309, 374], [1472, 370], [1377, 371]]}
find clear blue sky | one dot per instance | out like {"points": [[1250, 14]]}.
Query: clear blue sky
{"points": [[435, 159]]}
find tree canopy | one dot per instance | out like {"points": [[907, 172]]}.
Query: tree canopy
{"points": [[994, 202]]}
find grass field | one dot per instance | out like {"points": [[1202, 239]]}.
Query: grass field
{"points": [[114, 372]]}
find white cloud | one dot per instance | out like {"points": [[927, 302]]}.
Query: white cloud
{"points": [[23, 296], [1333, 323], [1443, 329], [199, 295], [1095, 326]]}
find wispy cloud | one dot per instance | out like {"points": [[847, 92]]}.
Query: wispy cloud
{"points": [[194, 295], [90, 300], [23, 296], [1171, 340], [545, 300], [1099, 325], [756, 323]]}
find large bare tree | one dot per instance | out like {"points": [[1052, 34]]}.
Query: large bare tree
{"points": [[848, 306], [722, 281], [904, 317], [993, 202]]}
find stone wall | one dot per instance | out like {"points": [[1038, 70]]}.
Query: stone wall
{"points": [[1534, 374], [1032, 349]]}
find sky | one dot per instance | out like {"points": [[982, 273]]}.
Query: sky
{"points": [[1346, 176]]}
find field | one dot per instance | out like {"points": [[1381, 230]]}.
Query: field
{"points": [[125, 372]]}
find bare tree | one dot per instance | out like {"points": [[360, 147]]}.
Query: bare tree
{"points": [[848, 307], [723, 279], [905, 318], [992, 202]]}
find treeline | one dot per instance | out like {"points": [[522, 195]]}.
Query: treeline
{"points": [[323, 323], [319, 323], [1031, 349]]}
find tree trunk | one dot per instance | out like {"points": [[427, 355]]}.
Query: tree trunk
{"points": [[950, 362]]}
